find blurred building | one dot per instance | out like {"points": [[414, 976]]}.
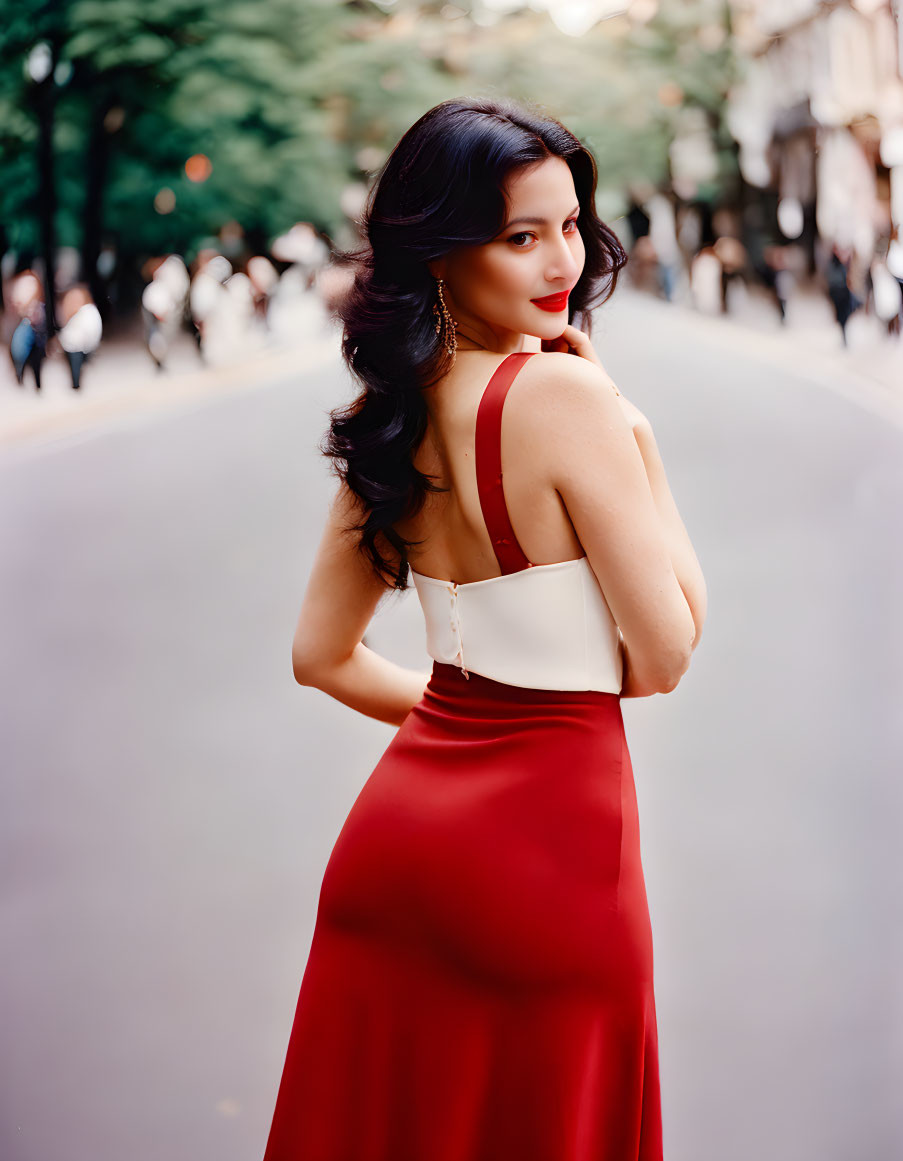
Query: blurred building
{"points": [[818, 117]]}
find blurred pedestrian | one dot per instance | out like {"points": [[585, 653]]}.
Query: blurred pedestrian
{"points": [[229, 325], [844, 301], [334, 283], [663, 236], [731, 253], [643, 264], [305, 249], [28, 343], [157, 307], [207, 295], [776, 273], [887, 296], [163, 306], [82, 329], [895, 256], [706, 281], [637, 217], [264, 278]]}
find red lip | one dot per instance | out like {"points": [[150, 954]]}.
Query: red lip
{"points": [[552, 302]]}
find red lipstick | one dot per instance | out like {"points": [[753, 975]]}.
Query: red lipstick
{"points": [[552, 302]]}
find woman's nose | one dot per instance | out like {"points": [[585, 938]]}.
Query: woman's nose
{"points": [[565, 264], [566, 268]]}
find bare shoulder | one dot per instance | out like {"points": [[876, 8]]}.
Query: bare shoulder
{"points": [[560, 401], [551, 382]]}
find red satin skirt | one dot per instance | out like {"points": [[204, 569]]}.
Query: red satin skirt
{"points": [[479, 985]]}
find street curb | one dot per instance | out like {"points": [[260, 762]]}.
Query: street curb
{"points": [[165, 395], [181, 390]]}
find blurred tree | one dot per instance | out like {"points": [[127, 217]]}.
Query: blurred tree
{"points": [[291, 100], [146, 87], [31, 47]]}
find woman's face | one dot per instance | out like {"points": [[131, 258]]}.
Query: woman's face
{"points": [[490, 289]]}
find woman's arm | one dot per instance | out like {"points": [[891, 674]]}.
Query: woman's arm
{"points": [[630, 685], [372, 685], [683, 558], [341, 597]]}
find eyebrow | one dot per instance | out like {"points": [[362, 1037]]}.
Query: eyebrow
{"points": [[539, 221]]}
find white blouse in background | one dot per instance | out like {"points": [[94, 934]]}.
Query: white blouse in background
{"points": [[83, 332]]}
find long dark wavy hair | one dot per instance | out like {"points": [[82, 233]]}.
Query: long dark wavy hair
{"points": [[441, 187]]}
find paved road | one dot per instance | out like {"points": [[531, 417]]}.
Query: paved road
{"points": [[170, 796]]}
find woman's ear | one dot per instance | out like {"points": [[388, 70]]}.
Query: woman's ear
{"points": [[436, 268]]}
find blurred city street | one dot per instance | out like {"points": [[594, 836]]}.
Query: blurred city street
{"points": [[171, 796], [121, 379], [188, 194]]}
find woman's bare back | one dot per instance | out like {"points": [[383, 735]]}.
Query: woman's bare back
{"points": [[575, 485], [457, 546]]}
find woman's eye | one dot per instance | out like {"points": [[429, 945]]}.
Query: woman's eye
{"points": [[529, 234]]}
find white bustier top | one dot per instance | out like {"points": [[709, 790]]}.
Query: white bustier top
{"points": [[541, 626], [547, 626]]}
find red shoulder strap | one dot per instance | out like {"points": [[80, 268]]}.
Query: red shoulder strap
{"points": [[510, 555]]}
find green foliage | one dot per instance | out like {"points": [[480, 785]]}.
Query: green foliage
{"points": [[282, 96], [159, 83]]}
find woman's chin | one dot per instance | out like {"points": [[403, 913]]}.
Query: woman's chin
{"points": [[552, 330]]}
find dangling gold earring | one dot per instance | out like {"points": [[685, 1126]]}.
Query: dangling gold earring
{"points": [[445, 324]]}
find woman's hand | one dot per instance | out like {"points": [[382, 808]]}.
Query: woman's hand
{"points": [[573, 342]]}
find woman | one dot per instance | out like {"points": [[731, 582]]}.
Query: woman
{"points": [[479, 987], [28, 343], [844, 301], [82, 330]]}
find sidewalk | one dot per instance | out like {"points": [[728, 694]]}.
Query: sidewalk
{"points": [[811, 326], [869, 371], [122, 379]]}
